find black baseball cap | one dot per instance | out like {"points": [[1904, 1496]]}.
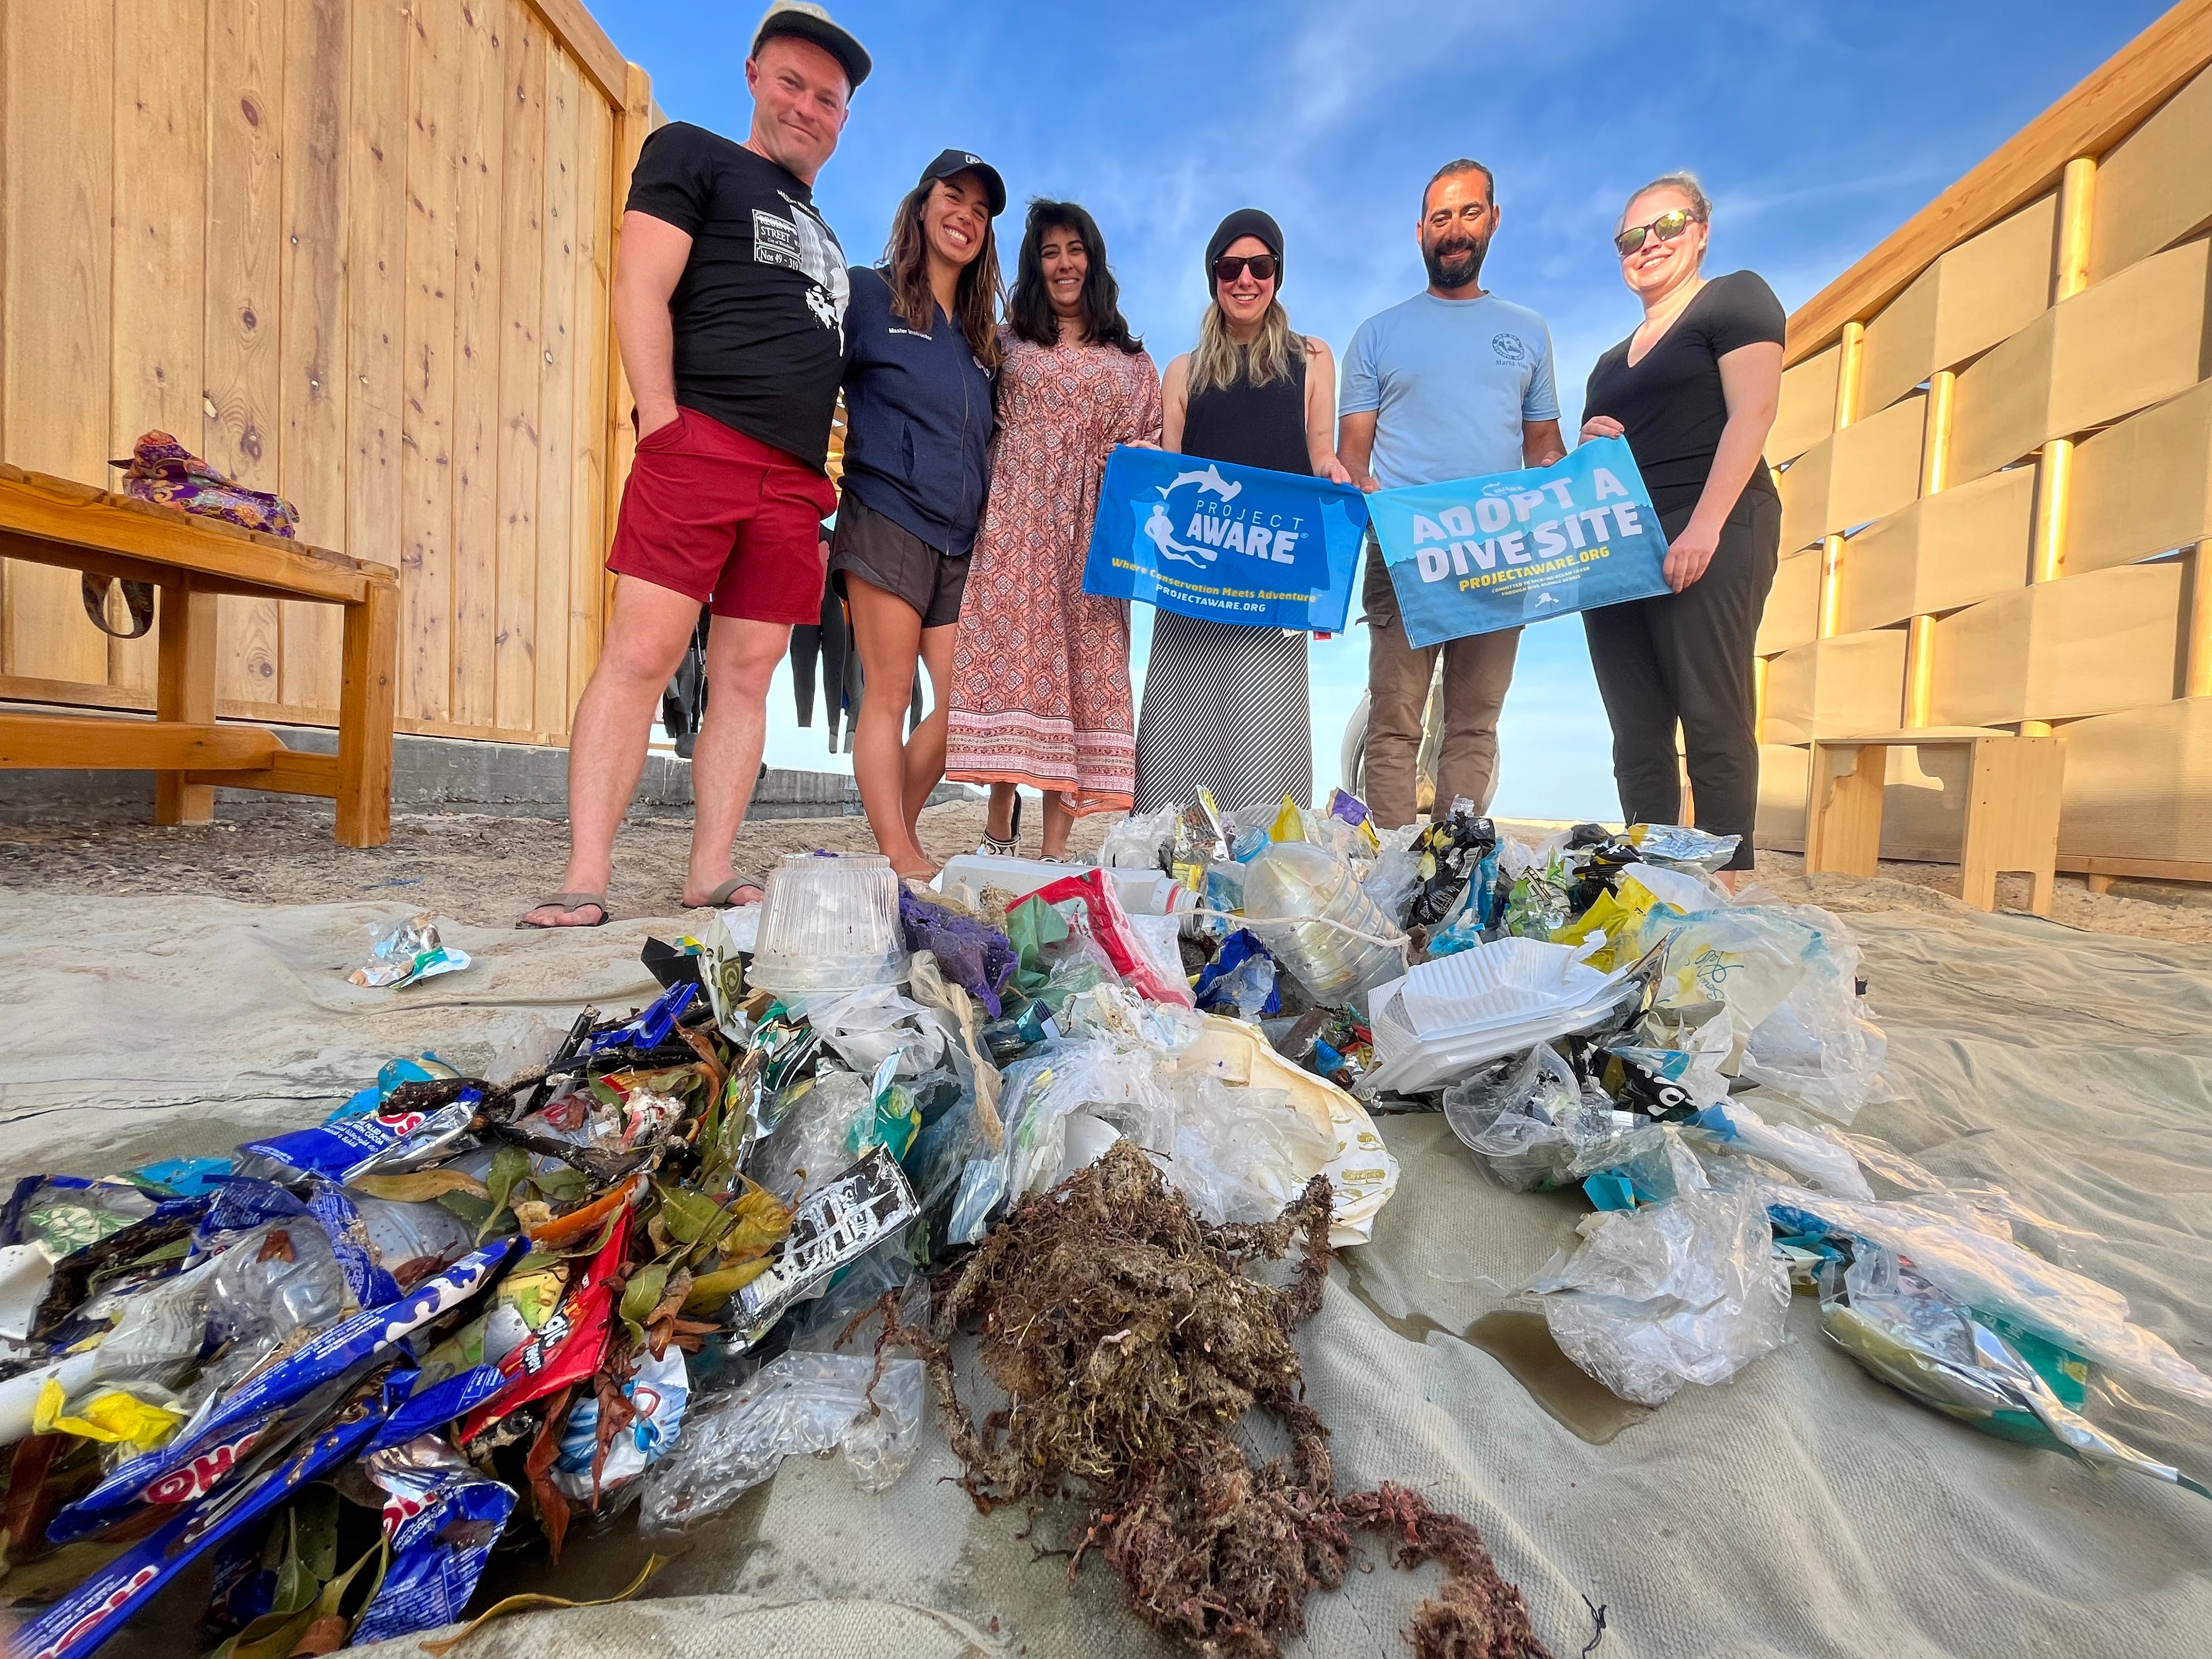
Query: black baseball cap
{"points": [[810, 23], [951, 161]]}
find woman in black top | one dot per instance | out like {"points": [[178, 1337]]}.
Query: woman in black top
{"points": [[1225, 704], [1693, 390]]}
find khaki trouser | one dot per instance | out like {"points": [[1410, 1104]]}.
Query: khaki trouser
{"points": [[1477, 671]]}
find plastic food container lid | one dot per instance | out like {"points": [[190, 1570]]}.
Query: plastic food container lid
{"points": [[829, 922]]}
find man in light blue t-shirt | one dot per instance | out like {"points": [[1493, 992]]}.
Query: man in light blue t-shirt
{"points": [[1454, 383]]}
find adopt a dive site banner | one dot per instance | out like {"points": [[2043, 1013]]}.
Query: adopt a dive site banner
{"points": [[1483, 554], [1232, 543]]}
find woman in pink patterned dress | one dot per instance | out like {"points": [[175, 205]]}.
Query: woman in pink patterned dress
{"points": [[1041, 669]]}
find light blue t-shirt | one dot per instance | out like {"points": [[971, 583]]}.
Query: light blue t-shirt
{"points": [[1450, 381]]}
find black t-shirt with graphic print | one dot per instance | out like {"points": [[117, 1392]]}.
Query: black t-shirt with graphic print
{"points": [[760, 309]]}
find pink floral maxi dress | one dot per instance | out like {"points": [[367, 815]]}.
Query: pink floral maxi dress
{"points": [[1041, 669]]}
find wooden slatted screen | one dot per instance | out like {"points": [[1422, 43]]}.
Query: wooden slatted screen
{"points": [[357, 252]]}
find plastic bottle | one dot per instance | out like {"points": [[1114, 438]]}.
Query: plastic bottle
{"points": [[1292, 891]]}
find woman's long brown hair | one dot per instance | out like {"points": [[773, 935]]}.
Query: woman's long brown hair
{"points": [[975, 300]]}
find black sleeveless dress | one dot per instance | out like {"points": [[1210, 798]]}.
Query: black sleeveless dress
{"points": [[1224, 706]]}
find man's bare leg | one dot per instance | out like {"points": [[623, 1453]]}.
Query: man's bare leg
{"points": [[646, 636], [741, 660], [924, 749]]}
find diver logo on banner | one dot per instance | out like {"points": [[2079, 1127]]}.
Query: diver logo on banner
{"points": [[1234, 544]]}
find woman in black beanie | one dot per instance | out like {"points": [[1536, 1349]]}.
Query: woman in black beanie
{"points": [[1225, 705]]}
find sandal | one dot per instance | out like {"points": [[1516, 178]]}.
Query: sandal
{"points": [[571, 902], [720, 898], [1010, 848]]}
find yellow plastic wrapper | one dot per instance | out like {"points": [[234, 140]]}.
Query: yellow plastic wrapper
{"points": [[1290, 824], [112, 1416], [1619, 916]]}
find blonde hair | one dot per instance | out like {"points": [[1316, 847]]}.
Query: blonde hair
{"points": [[1686, 182], [1219, 361]]}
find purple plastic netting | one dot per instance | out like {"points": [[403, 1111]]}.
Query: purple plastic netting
{"points": [[968, 952]]}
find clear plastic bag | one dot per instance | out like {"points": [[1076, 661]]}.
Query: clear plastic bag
{"points": [[1239, 1155], [866, 1027], [978, 1075], [1678, 845], [813, 1137], [1993, 1274], [1140, 842], [1525, 1116], [1817, 1157], [1912, 1337], [1683, 1291], [1988, 1209], [798, 1403], [1687, 892], [1749, 957], [1817, 1045], [1117, 1083]]}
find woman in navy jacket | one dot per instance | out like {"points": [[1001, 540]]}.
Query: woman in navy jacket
{"points": [[921, 350]]}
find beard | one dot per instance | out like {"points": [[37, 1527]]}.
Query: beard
{"points": [[1456, 260]]}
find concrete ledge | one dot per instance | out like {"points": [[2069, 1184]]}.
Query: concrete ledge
{"points": [[458, 775]]}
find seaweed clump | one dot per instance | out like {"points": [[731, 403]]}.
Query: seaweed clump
{"points": [[1130, 1343]]}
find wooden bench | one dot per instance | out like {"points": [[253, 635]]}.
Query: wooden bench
{"points": [[2012, 806], [192, 560]]}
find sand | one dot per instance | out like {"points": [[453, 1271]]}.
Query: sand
{"points": [[1801, 1508]]}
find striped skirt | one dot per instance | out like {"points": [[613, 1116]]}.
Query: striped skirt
{"points": [[1224, 708]]}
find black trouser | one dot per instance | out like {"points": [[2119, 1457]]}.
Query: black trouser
{"points": [[1687, 657]]}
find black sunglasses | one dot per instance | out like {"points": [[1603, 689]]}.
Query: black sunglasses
{"points": [[1230, 267], [1666, 226]]}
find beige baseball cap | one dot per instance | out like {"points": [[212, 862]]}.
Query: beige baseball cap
{"points": [[811, 22]]}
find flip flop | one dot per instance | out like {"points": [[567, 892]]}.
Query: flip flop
{"points": [[572, 902], [720, 898]]}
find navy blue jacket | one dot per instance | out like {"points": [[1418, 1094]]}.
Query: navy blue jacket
{"points": [[917, 419]]}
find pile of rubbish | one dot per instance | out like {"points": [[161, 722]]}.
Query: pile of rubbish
{"points": [[1600, 1012], [1036, 1123], [339, 1366]]}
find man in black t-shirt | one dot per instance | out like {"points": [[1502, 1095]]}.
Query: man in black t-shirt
{"points": [[729, 307]]}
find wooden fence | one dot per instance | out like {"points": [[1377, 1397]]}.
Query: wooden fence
{"points": [[357, 252], [1995, 445]]}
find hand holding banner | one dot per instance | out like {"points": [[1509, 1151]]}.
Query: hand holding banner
{"points": [[1484, 554], [1231, 543]]}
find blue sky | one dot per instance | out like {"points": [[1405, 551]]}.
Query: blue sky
{"points": [[1817, 130]]}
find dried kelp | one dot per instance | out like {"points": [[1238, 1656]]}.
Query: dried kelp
{"points": [[1130, 1343]]}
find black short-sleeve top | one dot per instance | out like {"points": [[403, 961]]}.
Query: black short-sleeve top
{"points": [[1670, 403], [759, 312]]}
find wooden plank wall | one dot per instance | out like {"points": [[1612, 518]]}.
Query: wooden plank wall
{"points": [[357, 252], [1996, 454]]}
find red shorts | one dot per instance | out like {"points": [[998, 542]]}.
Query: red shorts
{"points": [[732, 522]]}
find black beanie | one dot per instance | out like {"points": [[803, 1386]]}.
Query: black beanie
{"points": [[1246, 221]]}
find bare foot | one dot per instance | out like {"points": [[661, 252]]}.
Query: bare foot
{"points": [[721, 895], [590, 914]]}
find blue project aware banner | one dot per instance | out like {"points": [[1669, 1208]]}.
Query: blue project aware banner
{"points": [[1483, 554], [1233, 543]]}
